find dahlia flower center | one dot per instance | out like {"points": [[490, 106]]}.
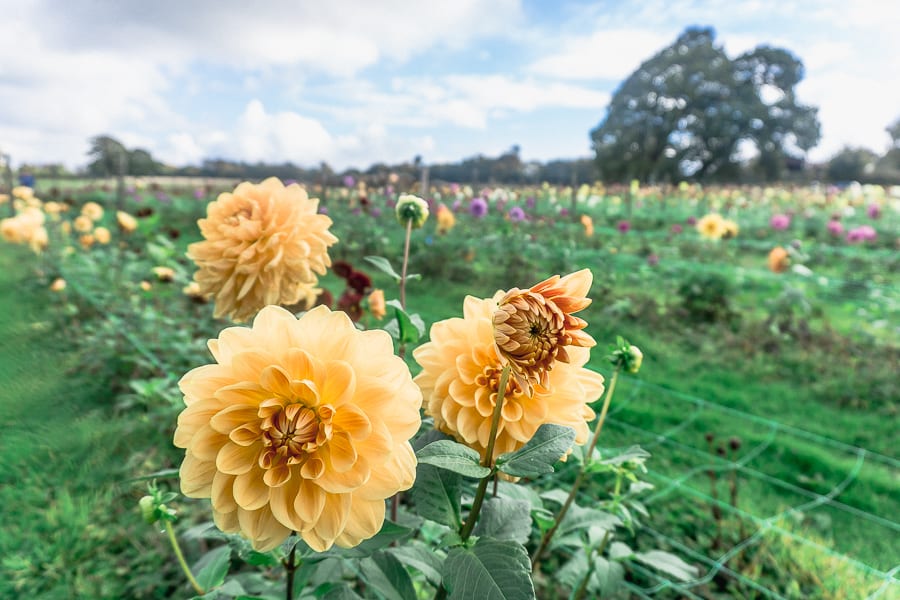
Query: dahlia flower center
{"points": [[235, 219], [529, 330], [293, 432]]}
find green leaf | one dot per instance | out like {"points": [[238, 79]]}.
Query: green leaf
{"points": [[668, 563], [384, 573], [411, 327], [505, 519], [489, 570], [436, 495], [633, 454], [455, 457], [620, 551], [212, 567], [421, 558], [549, 444], [335, 591], [383, 265]]}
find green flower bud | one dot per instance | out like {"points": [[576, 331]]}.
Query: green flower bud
{"points": [[635, 359], [148, 509], [412, 208]]}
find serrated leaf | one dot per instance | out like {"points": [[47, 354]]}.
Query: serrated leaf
{"points": [[436, 495], [579, 519], [668, 563], [212, 567], [384, 573], [549, 444], [489, 570], [453, 456], [424, 560], [505, 519], [383, 265]]}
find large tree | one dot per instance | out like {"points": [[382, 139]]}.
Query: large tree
{"points": [[691, 112]]}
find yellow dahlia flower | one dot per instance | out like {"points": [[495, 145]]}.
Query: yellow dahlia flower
{"points": [[461, 375], [92, 211], [588, 223], [445, 219], [533, 327], [126, 222], [263, 245], [102, 235], [377, 305], [27, 227], [711, 226], [731, 229], [83, 224], [23, 192], [58, 285], [300, 425]]}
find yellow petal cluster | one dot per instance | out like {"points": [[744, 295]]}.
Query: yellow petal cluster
{"points": [[92, 211], [533, 328], [460, 379], [27, 227], [300, 425], [711, 226], [445, 219], [126, 222], [263, 245]]}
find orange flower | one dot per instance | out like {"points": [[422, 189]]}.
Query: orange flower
{"points": [[711, 226], [532, 328], [93, 211], [588, 223], [778, 259], [126, 222], [460, 379], [263, 245], [376, 304], [102, 235], [445, 219], [300, 425]]}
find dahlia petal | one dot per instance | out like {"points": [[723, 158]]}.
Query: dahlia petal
{"points": [[396, 474], [206, 443], [334, 517], [242, 393], [250, 491], [227, 521], [339, 384], [351, 419], [246, 434], [343, 454], [222, 494], [309, 503], [262, 528], [314, 468], [366, 519], [281, 502], [277, 476], [276, 380], [237, 460], [232, 417], [196, 476]]}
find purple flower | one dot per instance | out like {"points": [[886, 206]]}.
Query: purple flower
{"points": [[456, 205], [389, 190], [692, 221], [375, 212], [677, 228], [780, 222], [289, 181], [323, 210], [564, 212], [863, 233], [516, 214], [349, 181], [653, 260], [163, 197], [530, 202], [478, 207], [199, 193], [874, 211], [454, 188], [835, 228], [623, 226]]}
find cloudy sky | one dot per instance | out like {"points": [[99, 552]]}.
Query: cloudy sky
{"points": [[353, 82]]}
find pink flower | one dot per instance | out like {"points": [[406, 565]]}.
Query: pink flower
{"points": [[780, 222], [835, 228], [623, 226], [874, 211]]}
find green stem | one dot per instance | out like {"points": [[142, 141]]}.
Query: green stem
{"points": [[291, 567], [487, 459], [401, 347], [548, 535], [184, 566], [582, 589]]}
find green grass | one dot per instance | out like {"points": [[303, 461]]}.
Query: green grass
{"points": [[70, 528]]}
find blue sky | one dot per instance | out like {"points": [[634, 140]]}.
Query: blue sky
{"points": [[354, 82]]}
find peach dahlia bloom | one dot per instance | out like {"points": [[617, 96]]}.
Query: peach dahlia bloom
{"points": [[300, 425], [533, 328], [263, 245], [460, 378]]}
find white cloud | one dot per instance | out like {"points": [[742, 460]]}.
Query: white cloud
{"points": [[604, 54]]}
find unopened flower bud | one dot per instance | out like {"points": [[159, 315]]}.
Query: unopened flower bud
{"points": [[734, 443], [412, 208], [635, 359], [148, 509]]}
